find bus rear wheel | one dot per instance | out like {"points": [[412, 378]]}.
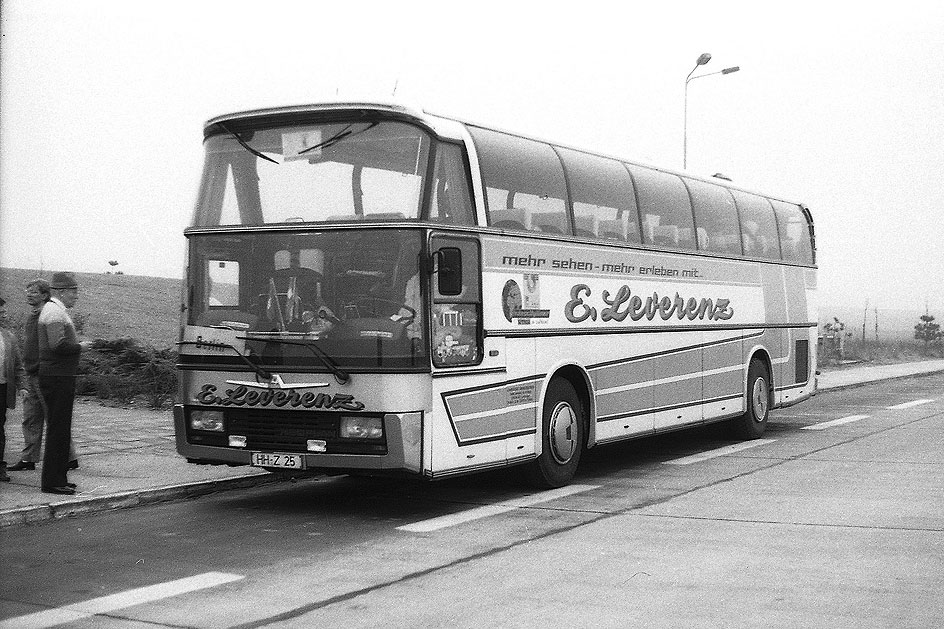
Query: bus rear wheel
{"points": [[563, 436], [753, 423]]}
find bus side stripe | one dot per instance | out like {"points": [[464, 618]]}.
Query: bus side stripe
{"points": [[665, 408], [668, 380], [498, 411]]}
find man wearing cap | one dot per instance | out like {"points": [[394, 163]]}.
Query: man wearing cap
{"points": [[11, 375], [59, 350]]}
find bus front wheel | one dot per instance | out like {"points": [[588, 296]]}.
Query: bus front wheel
{"points": [[562, 436], [753, 423]]}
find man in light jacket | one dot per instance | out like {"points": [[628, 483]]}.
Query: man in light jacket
{"points": [[59, 349]]}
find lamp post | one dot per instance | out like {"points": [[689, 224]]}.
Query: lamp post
{"points": [[702, 60]]}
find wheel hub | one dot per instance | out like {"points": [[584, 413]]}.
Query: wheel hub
{"points": [[563, 433], [760, 399]]}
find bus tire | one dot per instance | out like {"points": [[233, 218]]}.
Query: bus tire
{"points": [[753, 423], [563, 436]]}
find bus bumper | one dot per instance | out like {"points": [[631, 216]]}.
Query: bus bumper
{"points": [[404, 440]]}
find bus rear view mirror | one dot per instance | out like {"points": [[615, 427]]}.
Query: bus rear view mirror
{"points": [[449, 271]]}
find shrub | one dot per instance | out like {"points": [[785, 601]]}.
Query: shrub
{"points": [[125, 369], [929, 332]]}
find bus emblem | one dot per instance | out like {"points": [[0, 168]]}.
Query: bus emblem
{"points": [[244, 396]]}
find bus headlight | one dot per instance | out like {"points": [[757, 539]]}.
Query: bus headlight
{"points": [[353, 427], [206, 420]]}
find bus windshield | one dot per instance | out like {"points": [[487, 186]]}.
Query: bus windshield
{"points": [[339, 171], [351, 297]]}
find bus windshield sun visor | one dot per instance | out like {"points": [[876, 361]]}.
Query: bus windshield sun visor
{"points": [[245, 145], [337, 137]]}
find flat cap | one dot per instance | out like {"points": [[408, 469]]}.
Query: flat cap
{"points": [[63, 279]]}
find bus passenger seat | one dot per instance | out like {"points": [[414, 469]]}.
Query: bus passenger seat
{"points": [[665, 235], [613, 229], [587, 225], [791, 249], [511, 218], [550, 223], [725, 242]]}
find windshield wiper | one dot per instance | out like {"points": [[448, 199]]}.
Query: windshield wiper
{"points": [[245, 145], [262, 373], [337, 137], [339, 374]]}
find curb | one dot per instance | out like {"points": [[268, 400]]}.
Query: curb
{"points": [[863, 383], [132, 498]]}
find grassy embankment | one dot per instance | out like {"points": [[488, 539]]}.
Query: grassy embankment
{"points": [[110, 306], [133, 321]]}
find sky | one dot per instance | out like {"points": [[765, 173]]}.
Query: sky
{"points": [[102, 106]]}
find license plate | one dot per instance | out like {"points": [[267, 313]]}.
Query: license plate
{"points": [[276, 459]]}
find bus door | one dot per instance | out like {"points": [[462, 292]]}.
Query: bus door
{"points": [[460, 430]]}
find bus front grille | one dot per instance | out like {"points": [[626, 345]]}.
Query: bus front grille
{"points": [[290, 431]]}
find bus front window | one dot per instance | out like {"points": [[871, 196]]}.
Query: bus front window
{"points": [[365, 170], [354, 295]]}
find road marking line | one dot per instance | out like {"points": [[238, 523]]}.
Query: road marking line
{"points": [[711, 454], [434, 524], [908, 404], [121, 600], [835, 422]]}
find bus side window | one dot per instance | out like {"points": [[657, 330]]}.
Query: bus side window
{"points": [[716, 217], [524, 182], [758, 226], [452, 200], [795, 238], [604, 202], [665, 207]]}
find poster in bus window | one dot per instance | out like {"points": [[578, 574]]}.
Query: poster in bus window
{"points": [[454, 336]]}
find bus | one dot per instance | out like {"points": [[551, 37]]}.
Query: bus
{"points": [[371, 288]]}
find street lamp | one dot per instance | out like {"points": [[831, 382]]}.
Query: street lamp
{"points": [[702, 60]]}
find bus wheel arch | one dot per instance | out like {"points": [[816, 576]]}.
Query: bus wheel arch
{"points": [[564, 429], [759, 398]]}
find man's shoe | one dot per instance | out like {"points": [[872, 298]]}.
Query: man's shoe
{"points": [[65, 490], [72, 485], [74, 465], [22, 466], [4, 478]]}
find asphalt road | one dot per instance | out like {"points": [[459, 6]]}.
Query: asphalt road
{"points": [[835, 519]]}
